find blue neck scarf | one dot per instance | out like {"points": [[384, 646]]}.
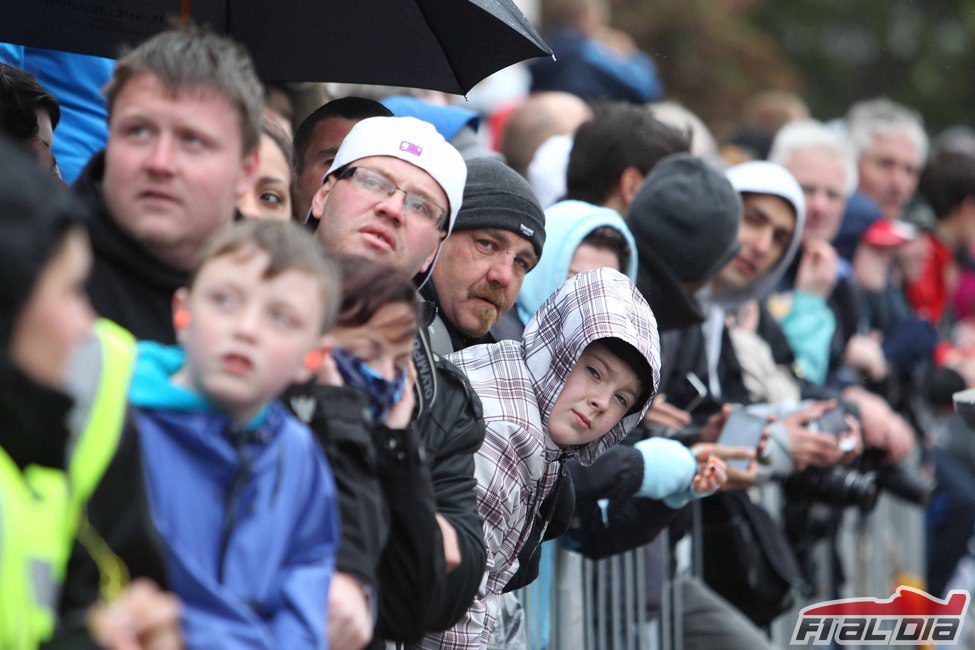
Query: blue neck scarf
{"points": [[382, 393]]}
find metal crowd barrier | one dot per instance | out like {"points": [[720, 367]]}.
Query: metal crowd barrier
{"points": [[606, 604]]}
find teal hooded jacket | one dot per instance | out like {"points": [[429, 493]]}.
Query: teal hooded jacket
{"points": [[567, 223]]}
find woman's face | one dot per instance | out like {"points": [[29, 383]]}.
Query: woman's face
{"points": [[270, 198], [385, 343], [57, 316]]}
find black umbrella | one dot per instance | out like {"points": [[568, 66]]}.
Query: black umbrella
{"points": [[447, 45]]}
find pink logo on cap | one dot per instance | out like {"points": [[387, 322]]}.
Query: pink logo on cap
{"points": [[409, 147]]}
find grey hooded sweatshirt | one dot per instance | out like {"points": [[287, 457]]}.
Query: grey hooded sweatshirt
{"points": [[757, 177]]}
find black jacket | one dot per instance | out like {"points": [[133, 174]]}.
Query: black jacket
{"points": [[672, 306], [451, 427], [555, 514], [625, 522], [390, 538], [127, 284], [628, 522], [34, 431], [33, 427], [336, 417]]}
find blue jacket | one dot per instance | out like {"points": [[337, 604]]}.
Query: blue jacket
{"points": [[247, 515], [587, 68], [76, 81], [448, 120]]}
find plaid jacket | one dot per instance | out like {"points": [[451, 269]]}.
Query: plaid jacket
{"points": [[518, 384]]}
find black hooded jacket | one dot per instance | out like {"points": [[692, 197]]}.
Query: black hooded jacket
{"points": [[451, 428], [34, 430], [127, 284], [628, 522], [390, 539], [673, 307]]}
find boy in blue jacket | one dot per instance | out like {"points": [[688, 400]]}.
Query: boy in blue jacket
{"points": [[240, 495]]}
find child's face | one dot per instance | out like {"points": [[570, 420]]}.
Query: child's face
{"points": [[600, 390], [247, 335], [57, 315]]}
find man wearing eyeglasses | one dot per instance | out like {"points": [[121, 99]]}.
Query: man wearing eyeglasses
{"points": [[392, 195], [496, 241]]}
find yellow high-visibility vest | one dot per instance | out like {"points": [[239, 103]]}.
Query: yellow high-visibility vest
{"points": [[41, 507]]}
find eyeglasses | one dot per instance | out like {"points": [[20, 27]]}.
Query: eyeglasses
{"points": [[415, 206]]}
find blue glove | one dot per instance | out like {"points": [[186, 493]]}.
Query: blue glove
{"points": [[668, 469]]}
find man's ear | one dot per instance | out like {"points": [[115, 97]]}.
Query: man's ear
{"points": [[250, 167], [318, 200], [630, 181]]}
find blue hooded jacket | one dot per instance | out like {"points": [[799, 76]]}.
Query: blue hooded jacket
{"points": [[567, 223], [247, 515]]}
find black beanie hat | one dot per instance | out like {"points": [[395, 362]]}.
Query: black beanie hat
{"points": [[687, 213], [34, 213], [495, 196]]}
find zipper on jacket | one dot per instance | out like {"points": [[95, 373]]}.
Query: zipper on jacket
{"points": [[535, 504], [239, 440], [555, 494]]}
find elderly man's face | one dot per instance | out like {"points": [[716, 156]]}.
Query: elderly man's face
{"points": [[889, 173], [823, 179], [354, 222], [479, 275]]}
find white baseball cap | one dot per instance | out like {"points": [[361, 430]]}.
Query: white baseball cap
{"points": [[414, 141]]}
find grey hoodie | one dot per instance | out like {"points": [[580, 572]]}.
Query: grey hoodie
{"points": [[757, 177]]}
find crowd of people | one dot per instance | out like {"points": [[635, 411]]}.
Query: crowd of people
{"points": [[346, 378]]}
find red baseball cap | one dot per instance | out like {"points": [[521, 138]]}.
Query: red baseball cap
{"points": [[889, 233]]}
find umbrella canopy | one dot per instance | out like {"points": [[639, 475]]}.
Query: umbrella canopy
{"points": [[447, 45]]}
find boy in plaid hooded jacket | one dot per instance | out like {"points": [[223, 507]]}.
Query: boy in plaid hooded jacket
{"points": [[579, 381]]}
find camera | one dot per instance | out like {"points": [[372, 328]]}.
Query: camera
{"points": [[837, 486], [898, 481]]}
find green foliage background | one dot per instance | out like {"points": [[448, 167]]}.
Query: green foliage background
{"points": [[713, 54]]}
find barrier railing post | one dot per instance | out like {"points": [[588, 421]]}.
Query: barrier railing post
{"points": [[642, 621], [667, 597]]}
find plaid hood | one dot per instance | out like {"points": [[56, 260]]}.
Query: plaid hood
{"points": [[518, 385], [591, 306]]}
